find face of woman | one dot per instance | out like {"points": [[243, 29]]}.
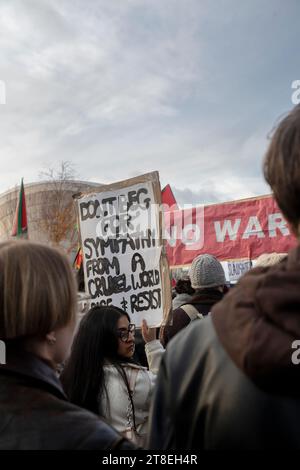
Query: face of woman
{"points": [[125, 346]]}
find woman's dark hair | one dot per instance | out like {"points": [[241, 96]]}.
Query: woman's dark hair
{"points": [[95, 343], [183, 286]]}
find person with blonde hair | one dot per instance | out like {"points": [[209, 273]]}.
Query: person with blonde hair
{"points": [[37, 319], [269, 259]]}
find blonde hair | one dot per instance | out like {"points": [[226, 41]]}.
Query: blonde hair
{"points": [[269, 259], [37, 290]]}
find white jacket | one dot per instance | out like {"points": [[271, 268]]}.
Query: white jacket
{"points": [[117, 407]]}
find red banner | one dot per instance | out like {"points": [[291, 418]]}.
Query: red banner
{"points": [[234, 230]]}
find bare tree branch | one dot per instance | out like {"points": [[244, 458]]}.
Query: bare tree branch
{"points": [[58, 219]]}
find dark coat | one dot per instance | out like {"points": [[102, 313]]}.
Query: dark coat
{"points": [[203, 302], [36, 415], [228, 381]]}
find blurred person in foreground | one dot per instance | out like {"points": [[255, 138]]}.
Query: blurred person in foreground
{"points": [[231, 381], [37, 318]]}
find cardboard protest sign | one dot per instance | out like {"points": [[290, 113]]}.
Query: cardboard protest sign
{"points": [[124, 258], [237, 268]]}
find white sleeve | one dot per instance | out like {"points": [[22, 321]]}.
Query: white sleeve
{"points": [[154, 352]]}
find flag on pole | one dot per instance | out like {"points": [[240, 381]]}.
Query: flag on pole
{"points": [[168, 197], [78, 259], [20, 227]]}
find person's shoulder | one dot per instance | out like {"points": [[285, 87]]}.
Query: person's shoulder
{"points": [[192, 341], [178, 310], [180, 315], [81, 429]]}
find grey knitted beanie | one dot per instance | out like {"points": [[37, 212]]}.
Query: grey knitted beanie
{"points": [[206, 271]]}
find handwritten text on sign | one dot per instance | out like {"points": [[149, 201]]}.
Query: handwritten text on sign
{"points": [[120, 233]]}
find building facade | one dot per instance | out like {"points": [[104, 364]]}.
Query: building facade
{"points": [[51, 213]]}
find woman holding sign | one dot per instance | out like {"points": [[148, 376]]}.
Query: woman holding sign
{"points": [[102, 377]]}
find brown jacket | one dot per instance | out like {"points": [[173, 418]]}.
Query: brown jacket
{"points": [[228, 381], [258, 321]]}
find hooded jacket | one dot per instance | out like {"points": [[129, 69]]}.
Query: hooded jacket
{"points": [[229, 381]]}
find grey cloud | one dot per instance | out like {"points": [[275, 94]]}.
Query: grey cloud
{"points": [[187, 196], [124, 87]]}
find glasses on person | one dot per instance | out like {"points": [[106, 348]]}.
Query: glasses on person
{"points": [[123, 333]]}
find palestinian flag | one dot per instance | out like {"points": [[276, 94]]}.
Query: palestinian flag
{"points": [[20, 228]]}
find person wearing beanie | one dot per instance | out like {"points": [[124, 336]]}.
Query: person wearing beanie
{"points": [[208, 280], [206, 272]]}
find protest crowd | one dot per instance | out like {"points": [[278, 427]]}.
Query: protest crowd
{"points": [[220, 372]]}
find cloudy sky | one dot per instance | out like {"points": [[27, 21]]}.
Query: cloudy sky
{"points": [[191, 88]]}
